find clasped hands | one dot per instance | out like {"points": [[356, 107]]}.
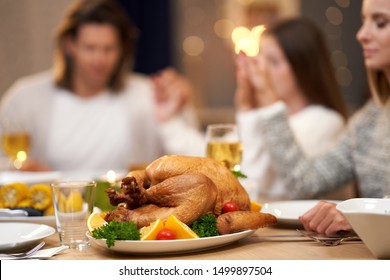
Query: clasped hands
{"points": [[254, 89]]}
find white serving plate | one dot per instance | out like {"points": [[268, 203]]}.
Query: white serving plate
{"points": [[170, 246]]}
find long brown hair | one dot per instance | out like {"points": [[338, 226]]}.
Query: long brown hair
{"points": [[93, 11], [304, 47], [379, 86]]}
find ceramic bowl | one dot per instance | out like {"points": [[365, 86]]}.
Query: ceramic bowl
{"points": [[370, 219]]}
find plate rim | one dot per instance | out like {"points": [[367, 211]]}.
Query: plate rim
{"points": [[290, 219], [16, 244], [150, 243]]}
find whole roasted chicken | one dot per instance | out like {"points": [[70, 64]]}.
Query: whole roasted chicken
{"points": [[187, 187]]}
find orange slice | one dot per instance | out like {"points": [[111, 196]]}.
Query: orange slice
{"points": [[95, 220], [255, 206], [150, 232], [181, 229]]}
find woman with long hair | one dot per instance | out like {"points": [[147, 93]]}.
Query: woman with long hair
{"points": [[294, 65]]}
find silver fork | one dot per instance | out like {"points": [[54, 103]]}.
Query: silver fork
{"points": [[332, 240], [28, 253]]}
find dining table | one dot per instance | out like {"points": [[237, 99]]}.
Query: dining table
{"points": [[270, 243]]}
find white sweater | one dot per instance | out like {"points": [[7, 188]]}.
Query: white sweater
{"points": [[108, 131], [315, 129]]}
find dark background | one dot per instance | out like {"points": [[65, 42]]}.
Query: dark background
{"points": [[152, 17]]}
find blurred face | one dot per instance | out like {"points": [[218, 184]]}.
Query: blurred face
{"points": [[374, 34], [96, 51], [278, 68]]}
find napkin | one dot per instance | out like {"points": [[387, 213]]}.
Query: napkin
{"points": [[41, 254]]}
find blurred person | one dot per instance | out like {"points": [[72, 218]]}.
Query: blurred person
{"points": [[364, 150], [294, 65], [90, 112]]}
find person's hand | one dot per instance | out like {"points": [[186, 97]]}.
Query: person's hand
{"points": [[244, 98], [33, 165], [254, 88], [172, 93], [325, 218]]}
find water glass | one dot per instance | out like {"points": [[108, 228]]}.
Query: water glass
{"points": [[73, 203]]}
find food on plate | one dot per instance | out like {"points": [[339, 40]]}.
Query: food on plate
{"points": [[206, 226], [95, 220], [229, 207], [150, 232], [185, 187], [12, 194], [40, 196], [184, 196], [181, 230], [255, 206], [36, 199], [117, 231], [166, 234], [237, 221]]}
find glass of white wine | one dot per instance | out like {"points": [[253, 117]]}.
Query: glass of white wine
{"points": [[15, 142], [223, 145]]}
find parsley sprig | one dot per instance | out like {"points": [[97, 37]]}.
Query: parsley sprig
{"points": [[239, 174], [205, 226], [117, 231]]}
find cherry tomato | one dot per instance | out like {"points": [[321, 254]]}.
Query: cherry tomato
{"points": [[229, 207], [166, 234]]}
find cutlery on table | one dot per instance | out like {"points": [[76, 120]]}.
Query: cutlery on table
{"points": [[330, 240], [24, 254]]}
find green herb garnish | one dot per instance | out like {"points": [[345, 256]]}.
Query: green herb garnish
{"points": [[239, 174], [117, 231], [205, 226]]}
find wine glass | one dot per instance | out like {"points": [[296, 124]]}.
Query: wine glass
{"points": [[15, 142], [223, 145]]}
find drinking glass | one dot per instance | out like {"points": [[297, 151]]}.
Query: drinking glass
{"points": [[223, 145], [73, 203], [15, 142]]}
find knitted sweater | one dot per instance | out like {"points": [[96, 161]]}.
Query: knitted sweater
{"points": [[363, 154]]}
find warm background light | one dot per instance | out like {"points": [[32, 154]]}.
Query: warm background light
{"points": [[193, 45], [246, 40]]}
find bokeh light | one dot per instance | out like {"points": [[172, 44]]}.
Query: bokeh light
{"points": [[223, 28], [193, 45], [334, 15], [343, 3]]}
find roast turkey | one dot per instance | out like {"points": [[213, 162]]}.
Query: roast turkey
{"points": [[187, 187]]}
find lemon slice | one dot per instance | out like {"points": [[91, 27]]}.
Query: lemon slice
{"points": [[74, 202], [95, 220], [150, 232], [181, 229], [255, 206]]}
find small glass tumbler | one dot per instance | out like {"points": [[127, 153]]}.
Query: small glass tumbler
{"points": [[73, 203]]}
